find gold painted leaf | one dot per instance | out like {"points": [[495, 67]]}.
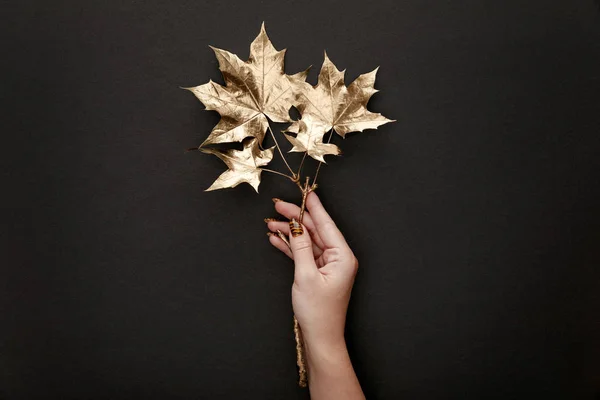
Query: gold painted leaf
{"points": [[309, 138], [332, 105], [244, 165], [254, 90]]}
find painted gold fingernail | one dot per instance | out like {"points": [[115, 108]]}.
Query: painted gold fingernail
{"points": [[275, 200], [296, 228], [267, 220], [283, 237]]}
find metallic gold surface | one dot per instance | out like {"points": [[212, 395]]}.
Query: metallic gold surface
{"points": [[330, 104], [254, 90], [243, 165], [309, 138], [295, 228], [300, 359], [282, 236]]}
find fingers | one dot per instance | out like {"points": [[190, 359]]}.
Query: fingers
{"points": [[304, 259], [328, 231], [284, 227], [280, 244], [290, 211]]}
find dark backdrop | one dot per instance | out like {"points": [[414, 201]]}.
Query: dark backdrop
{"points": [[475, 216]]}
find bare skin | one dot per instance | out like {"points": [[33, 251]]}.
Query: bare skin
{"points": [[324, 273]]}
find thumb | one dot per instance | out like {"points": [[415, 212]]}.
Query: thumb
{"points": [[301, 245]]}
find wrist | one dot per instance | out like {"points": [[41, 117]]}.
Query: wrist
{"points": [[325, 353], [323, 340]]}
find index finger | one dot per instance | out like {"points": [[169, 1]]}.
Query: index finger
{"points": [[328, 231]]}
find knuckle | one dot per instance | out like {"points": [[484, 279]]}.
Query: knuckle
{"points": [[303, 246], [355, 265], [348, 254], [352, 262]]}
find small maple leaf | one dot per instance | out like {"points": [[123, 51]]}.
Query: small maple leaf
{"points": [[309, 139], [332, 105], [243, 165], [255, 89]]}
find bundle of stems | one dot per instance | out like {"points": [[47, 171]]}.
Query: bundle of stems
{"points": [[305, 189]]}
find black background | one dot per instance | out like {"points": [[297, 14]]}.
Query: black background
{"points": [[475, 216]]}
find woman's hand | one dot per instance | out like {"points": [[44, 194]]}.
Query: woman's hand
{"points": [[325, 268]]}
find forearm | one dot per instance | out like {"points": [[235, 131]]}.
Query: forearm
{"points": [[330, 372]]}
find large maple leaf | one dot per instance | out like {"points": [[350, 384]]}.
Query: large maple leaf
{"points": [[254, 90], [243, 165], [332, 105]]}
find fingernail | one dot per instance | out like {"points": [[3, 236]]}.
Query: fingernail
{"points": [[269, 234], [296, 228], [275, 199], [267, 220], [283, 237]]}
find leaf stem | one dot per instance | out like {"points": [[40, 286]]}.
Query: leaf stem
{"points": [[301, 164], [281, 153], [314, 184], [279, 173], [305, 191]]}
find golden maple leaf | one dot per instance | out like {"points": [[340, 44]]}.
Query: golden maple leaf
{"points": [[254, 90], [332, 105], [243, 165], [309, 138]]}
